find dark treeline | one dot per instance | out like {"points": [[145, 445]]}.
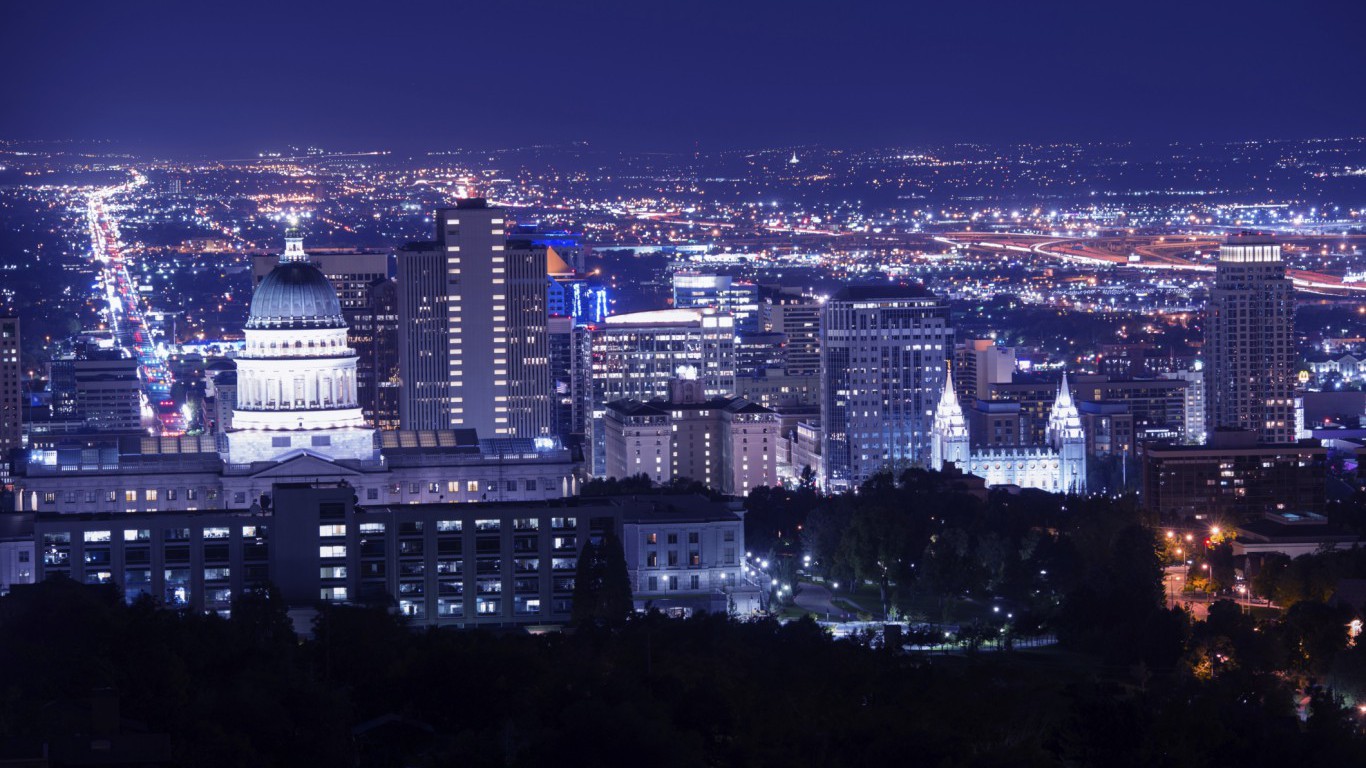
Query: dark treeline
{"points": [[1132, 682], [702, 691]]}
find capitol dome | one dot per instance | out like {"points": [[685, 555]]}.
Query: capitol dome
{"points": [[295, 295]]}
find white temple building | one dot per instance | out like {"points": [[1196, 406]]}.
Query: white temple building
{"points": [[1059, 466]]}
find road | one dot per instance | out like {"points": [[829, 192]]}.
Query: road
{"points": [[125, 312], [1149, 252]]}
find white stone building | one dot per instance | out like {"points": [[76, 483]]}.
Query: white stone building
{"points": [[1058, 466]]}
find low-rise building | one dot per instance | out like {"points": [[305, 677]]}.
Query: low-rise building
{"points": [[685, 553], [461, 565], [1233, 476]]}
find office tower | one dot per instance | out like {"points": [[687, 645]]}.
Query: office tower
{"points": [[1250, 352], [723, 293], [883, 360], [798, 318], [1157, 405], [979, 363], [1232, 476], [1193, 403], [423, 337], [758, 353], [560, 343], [95, 390], [636, 355], [486, 366], [11, 393], [381, 403], [351, 274]]}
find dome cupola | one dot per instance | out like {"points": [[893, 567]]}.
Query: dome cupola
{"points": [[295, 295]]}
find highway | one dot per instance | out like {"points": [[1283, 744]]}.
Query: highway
{"points": [[1136, 252], [126, 315]]}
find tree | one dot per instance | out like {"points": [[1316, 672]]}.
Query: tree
{"points": [[1267, 582], [602, 588]]}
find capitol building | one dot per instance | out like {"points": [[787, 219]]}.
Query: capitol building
{"points": [[296, 420]]}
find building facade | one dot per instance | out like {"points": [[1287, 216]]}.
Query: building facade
{"points": [[636, 355], [1249, 341], [1057, 465], [11, 394], [473, 328], [883, 359], [1233, 477], [727, 443]]}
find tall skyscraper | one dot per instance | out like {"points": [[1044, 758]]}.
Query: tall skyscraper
{"points": [[379, 321], [1250, 351], [472, 327], [11, 384], [883, 353]]}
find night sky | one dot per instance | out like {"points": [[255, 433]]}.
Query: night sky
{"points": [[240, 77]]}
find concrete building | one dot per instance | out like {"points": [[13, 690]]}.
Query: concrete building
{"points": [[1287, 533], [1232, 477], [685, 554], [1193, 403], [884, 351], [1249, 341], [722, 293], [728, 444], [1158, 406], [11, 394], [979, 363], [635, 356], [492, 565], [798, 318], [472, 331], [95, 390]]}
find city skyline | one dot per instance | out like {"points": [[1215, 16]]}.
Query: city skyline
{"points": [[712, 383]]}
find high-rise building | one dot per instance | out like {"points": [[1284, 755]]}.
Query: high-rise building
{"points": [[1193, 430], [11, 392], [1249, 344], [979, 363], [798, 318], [723, 293], [636, 355], [487, 366], [883, 360], [560, 340], [351, 274], [424, 337], [380, 403]]}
